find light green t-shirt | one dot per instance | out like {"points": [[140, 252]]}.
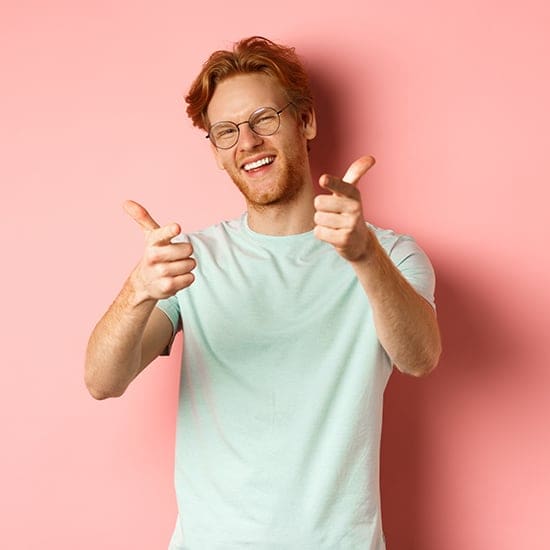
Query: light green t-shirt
{"points": [[280, 406]]}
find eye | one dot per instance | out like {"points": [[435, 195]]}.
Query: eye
{"points": [[264, 119], [224, 132]]}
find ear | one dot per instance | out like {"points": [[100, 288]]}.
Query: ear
{"points": [[309, 124]]}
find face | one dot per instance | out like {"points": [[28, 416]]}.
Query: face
{"points": [[268, 170]]}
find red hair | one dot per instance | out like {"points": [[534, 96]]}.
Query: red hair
{"points": [[250, 55]]}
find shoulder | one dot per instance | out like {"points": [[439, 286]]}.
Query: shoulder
{"points": [[391, 241], [410, 259], [402, 249]]}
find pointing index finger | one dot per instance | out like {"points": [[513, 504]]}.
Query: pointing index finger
{"points": [[358, 169], [140, 215]]}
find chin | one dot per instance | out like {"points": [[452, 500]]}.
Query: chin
{"points": [[263, 200], [277, 195]]}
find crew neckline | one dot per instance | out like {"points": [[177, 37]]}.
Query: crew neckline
{"points": [[274, 239]]}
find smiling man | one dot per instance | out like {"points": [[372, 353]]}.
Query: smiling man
{"points": [[293, 317]]}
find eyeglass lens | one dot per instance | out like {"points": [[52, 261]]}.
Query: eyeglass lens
{"points": [[264, 122]]}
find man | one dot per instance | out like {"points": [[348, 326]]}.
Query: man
{"points": [[292, 316]]}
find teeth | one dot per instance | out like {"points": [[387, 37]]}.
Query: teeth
{"points": [[258, 163]]}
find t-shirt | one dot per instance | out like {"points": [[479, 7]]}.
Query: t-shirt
{"points": [[280, 404]]}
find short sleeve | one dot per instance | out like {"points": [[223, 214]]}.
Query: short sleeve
{"points": [[411, 260], [171, 308]]}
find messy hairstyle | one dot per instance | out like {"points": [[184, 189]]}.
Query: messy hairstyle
{"points": [[250, 55]]}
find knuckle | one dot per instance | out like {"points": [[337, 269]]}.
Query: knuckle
{"points": [[161, 270], [338, 240], [152, 236], [166, 286], [152, 255], [180, 251], [185, 267], [343, 237], [183, 281], [164, 232]]}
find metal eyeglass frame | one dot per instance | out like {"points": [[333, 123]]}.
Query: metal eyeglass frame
{"points": [[237, 125]]}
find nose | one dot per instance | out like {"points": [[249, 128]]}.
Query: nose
{"points": [[248, 139]]}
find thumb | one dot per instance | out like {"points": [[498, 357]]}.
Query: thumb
{"points": [[140, 215], [358, 169]]}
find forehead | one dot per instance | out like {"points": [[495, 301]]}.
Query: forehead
{"points": [[236, 97]]}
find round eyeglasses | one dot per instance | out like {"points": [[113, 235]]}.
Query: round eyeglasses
{"points": [[264, 121]]}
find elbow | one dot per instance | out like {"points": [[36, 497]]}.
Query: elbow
{"points": [[418, 370], [424, 364], [100, 384], [430, 358], [100, 391], [423, 369], [430, 362], [100, 394]]}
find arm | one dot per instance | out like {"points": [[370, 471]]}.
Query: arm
{"points": [[127, 338], [133, 332], [405, 323]]}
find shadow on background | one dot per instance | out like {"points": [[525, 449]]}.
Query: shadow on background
{"points": [[475, 345], [475, 340], [326, 149], [330, 150]]}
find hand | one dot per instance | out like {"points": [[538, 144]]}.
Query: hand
{"points": [[165, 267], [339, 216]]}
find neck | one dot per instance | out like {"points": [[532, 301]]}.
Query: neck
{"points": [[289, 218]]}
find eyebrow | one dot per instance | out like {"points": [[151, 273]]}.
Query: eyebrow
{"points": [[244, 121]]}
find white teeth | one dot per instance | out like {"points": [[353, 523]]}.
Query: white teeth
{"points": [[258, 163]]}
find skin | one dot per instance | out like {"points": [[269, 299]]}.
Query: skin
{"points": [[132, 332], [280, 201], [279, 197], [405, 322]]}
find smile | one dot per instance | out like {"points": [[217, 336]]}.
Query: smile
{"points": [[258, 163]]}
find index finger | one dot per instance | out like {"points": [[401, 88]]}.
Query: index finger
{"points": [[140, 215], [358, 169]]}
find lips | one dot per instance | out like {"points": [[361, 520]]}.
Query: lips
{"points": [[258, 163]]}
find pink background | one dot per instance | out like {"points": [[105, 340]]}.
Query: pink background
{"points": [[453, 100]]}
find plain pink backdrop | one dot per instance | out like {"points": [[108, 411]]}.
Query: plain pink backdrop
{"points": [[451, 98]]}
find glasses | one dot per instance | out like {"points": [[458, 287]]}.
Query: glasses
{"points": [[264, 121]]}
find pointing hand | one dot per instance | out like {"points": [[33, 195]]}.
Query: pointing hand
{"points": [[339, 216], [165, 267]]}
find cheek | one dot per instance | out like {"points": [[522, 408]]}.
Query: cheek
{"points": [[296, 149], [221, 161]]}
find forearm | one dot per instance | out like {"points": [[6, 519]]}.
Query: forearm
{"points": [[113, 357], [405, 322]]}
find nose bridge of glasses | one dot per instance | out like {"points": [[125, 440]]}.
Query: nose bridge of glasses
{"points": [[246, 130], [248, 122]]}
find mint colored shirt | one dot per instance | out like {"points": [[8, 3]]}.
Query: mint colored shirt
{"points": [[280, 406]]}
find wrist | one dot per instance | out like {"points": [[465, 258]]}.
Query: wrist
{"points": [[135, 293], [369, 252]]}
